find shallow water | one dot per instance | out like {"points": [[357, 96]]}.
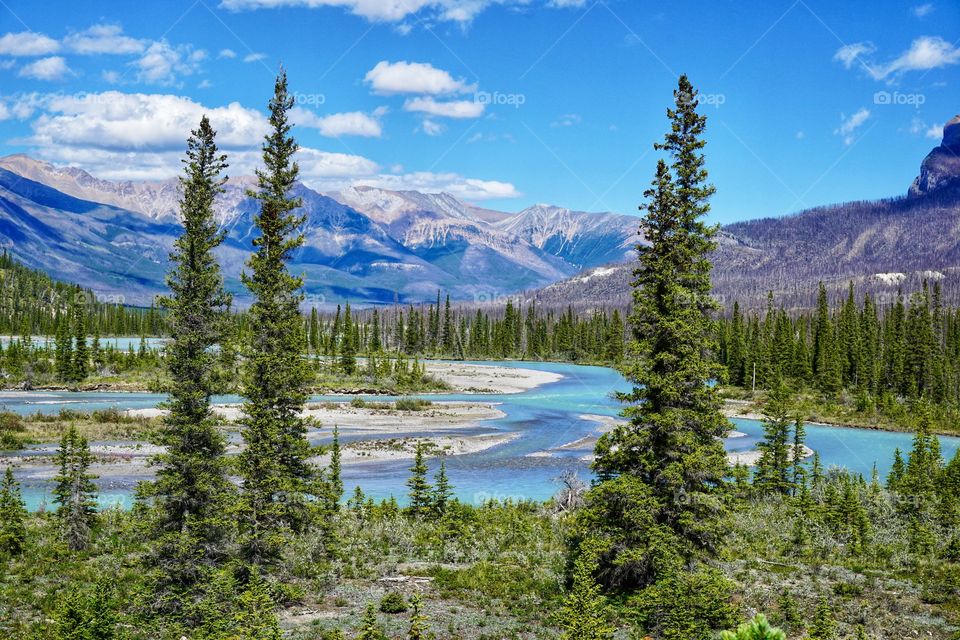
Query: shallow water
{"points": [[546, 417]]}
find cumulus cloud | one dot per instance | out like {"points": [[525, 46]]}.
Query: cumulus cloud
{"points": [[849, 54], [115, 120], [27, 43], [164, 64], [52, 68], [848, 126], [354, 123], [227, 53], [460, 11], [920, 128], [103, 38], [448, 109], [414, 77], [925, 53], [923, 10], [452, 183], [432, 128], [254, 57]]}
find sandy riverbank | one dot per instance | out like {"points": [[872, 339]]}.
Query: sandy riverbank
{"points": [[484, 378]]}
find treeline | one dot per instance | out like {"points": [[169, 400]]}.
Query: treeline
{"points": [[909, 348], [439, 330], [32, 303]]}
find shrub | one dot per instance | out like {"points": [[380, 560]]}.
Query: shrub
{"points": [[756, 629], [393, 602]]}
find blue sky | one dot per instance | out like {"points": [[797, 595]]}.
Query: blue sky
{"points": [[504, 103]]}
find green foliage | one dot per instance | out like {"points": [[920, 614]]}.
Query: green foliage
{"points": [[756, 629], [418, 621], [420, 491], [87, 614], [775, 468], [823, 627], [585, 611], [13, 515], [685, 605], [370, 629], [393, 602], [74, 492], [277, 477], [671, 449], [190, 494]]}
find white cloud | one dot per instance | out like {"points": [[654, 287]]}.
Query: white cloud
{"points": [[849, 54], [5, 112], [450, 109], [103, 38], [460, 11], [933, 131], [205, 84], [354, 123], [567, 120], [137, 121], [452, 183], [27, 43], [164, 64], [254, 57], [925, 53], [848, 126], [52, 68], [413, 77], [432, 128], [7, 64], [227, 53], [923, 10]]}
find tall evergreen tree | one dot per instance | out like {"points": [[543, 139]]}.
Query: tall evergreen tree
{"points": [[670, 455], [585, 612], [275, 469], [420, 498], [74, 492], [191, 487], [13, 515], [774, 467], [80, 366]]}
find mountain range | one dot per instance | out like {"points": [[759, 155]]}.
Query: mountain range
{"points": [[363, 244], [370, 245], [880, 246]]}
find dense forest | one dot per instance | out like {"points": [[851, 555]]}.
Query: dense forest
{"points": [[668, 541]]}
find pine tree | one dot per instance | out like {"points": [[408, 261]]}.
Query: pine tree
{"points": [[13, 516], [418, 621], [896, 471], [88, 615], [255, 619], [75, 492], [190, 492], [442, 491], [420, 498], [756, 629], [369, 628], [276, 473], [824, 627], [773, 469], [348, 349], [335, 479], [672, 446], [799, 440], [80, 366], [585, 612], [63, 356]]}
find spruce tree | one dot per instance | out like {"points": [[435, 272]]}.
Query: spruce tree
{"points": [[13, 516], [334, 473], [255, 619], [274, 467], [418, 621], [74, 492], [823, 627], [80, 366], [190, 492], [670, 455], [442, 491], [773, 469], [88, 614], [756, 629], [420, 498], [369, 627], [585, 612]]}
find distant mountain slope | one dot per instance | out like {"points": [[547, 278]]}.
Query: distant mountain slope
{"points": [[365, 245], [880, 246]]}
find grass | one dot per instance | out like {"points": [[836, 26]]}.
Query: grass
{"points": [[104, 424]]}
